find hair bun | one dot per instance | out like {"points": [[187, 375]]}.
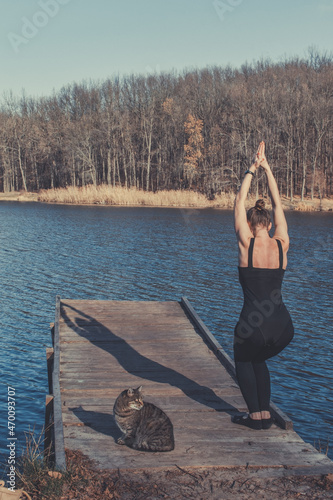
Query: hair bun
{"points": [[260, 204]]}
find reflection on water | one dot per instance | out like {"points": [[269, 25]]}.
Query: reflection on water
{"points": [[158, 254]]}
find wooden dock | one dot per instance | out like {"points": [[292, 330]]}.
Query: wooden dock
{"points": [[103, 347]]}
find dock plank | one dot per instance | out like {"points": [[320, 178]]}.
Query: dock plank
{"points": [[107, 346]]}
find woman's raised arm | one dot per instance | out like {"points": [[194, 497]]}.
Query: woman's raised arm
{"points": [[242, 229], [280, 223]]}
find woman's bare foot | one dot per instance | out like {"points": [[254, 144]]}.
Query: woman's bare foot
{"points": [[256, 416]]}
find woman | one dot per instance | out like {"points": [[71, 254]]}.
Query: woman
{"points": [[264, 327]]}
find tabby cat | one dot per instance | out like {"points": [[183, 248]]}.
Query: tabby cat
{"points": [[145, 426]]}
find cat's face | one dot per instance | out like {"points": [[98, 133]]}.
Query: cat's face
{"points": [[134, 397]]}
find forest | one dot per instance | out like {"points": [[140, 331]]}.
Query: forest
{"points": [[192, 130]]}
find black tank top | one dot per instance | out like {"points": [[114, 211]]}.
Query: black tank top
{"points": [[263, 306]]}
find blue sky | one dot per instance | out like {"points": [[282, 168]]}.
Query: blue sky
{"points": [[46, 44]]}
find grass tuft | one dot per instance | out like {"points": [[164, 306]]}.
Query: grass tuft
{"points": [[36, 473], [322, 447]]}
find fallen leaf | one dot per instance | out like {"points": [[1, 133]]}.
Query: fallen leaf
{"points": [[55, 474]]}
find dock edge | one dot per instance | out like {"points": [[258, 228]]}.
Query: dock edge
{"points": [[59, 442]]}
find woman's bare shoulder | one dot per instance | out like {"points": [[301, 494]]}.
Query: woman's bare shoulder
{"points": [[284, 242]]}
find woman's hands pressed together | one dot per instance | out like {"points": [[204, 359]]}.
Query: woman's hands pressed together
{"points": [[261, 157]]}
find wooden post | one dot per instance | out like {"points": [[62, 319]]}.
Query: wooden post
{"points": [[50, 361], [59, 444], [48, 428], [227, 362], [52, 333]]}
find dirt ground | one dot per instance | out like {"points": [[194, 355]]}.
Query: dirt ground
{"points": [[18, 196], [84, 481], [199, 484]]}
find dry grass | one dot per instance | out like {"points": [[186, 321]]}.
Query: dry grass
{"points": [[35, 473], [304, 207], [107, 195], [121, 196]]}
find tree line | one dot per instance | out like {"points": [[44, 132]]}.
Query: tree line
{"points": [[197, 129]]}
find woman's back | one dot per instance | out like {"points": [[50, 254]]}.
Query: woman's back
{"points": [[265, 254], [264, 324]]}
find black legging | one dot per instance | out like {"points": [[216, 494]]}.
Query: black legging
{"points": [[255, 384], [251, 369]]}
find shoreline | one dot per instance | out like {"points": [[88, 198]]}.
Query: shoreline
{"points": [[122, 197]]}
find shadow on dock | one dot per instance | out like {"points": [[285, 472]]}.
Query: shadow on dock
{"points": [[98, 421], [139, 366]]}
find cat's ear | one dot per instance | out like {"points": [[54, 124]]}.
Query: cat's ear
{"points": [[130, 392], [139, 389]]}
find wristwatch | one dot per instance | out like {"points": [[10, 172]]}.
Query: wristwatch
{"points": [[248, 172]]}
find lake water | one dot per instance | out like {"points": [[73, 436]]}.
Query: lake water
{"points": [[117, 253]]}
